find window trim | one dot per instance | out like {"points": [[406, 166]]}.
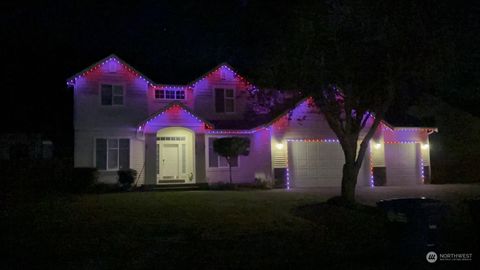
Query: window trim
{"points": [[164, 94], [234, 98], [108, 138], [112, 84], [207, 153]]}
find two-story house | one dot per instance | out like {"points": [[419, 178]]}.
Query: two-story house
{"points": [[122, 119]]}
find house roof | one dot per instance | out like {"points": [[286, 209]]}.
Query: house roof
{"points": [[384, 122], [113, 57], [170, 106], [248, 124], [217, 67]]}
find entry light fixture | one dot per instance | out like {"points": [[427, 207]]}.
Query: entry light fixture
{"points": [[377, 145], [279, 146], [425, 146]]}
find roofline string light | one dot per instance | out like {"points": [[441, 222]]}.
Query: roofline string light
{"points": [[372, 177], [94, 68], [175, 106], [247, 83], [401, 142], [314, 140], [422, 169]]}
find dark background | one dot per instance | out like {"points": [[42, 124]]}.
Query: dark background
{"points": [[177, 41]]}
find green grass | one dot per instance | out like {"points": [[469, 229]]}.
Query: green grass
{"points": [[196, 230]]}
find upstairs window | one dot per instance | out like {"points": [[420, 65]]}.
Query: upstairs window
{"points": [[224, 100], [111, 94], [170, 94]]}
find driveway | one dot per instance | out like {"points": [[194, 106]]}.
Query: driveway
{"points": [[449, 192]]}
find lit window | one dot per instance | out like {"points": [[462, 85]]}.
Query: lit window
{"points": [[111, 94]]}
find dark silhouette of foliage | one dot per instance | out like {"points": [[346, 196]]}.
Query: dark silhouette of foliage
{"points": [[230, 148]]}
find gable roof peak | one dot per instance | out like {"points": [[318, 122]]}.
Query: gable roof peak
{"points": [[101, 62]]}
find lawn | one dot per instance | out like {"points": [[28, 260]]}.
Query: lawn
{"points": [[192, 229]]}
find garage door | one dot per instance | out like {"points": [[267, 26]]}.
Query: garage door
{"points": [[313, 164], [402, 164]]}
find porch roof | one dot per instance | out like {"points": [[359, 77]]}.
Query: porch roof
{"points": [[171, 105]]}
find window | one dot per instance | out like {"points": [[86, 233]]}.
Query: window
{"points": [[169, 94], [216, 161], [111, 94], [224, 100], [112, 154]]}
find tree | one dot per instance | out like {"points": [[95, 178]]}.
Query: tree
{"points": [[351, 57], [230, 148]]}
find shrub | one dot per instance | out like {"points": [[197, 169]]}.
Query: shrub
{"points": [[222, 186], [262, 184], [100, 188], [36, 175], [126, 178], [82, 179]]}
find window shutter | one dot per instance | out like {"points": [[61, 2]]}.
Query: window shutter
{"points": [[101, 154], [212, 156], [107, 94], [219, 100], [124, 154]]}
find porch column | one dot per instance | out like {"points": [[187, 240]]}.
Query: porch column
{"points": [[200, 174], [150, 158]]}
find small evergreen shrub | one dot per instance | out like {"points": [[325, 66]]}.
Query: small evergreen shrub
{"points": [[126, 178]]}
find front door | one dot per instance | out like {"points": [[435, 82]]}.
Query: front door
{"points": [[175, 156], [169, 163], [173, 159]]}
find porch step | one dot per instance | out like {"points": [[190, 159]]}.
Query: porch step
{"points": [[171, 187], [173, 181]]}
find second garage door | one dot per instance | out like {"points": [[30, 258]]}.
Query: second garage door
{"points": [[313, 164], [402, 164]]}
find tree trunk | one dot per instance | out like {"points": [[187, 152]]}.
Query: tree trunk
{"points": [[230, 170], [349, 181], [229, 161], [350, 172]]}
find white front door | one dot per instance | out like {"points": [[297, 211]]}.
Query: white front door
{"points": [[169, 163], [175, 156]]}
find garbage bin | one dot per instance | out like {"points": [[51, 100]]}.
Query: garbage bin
{"points": [[474, 206], [414, 223]]}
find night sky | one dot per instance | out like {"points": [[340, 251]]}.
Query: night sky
{"points": [[44, 43]]}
